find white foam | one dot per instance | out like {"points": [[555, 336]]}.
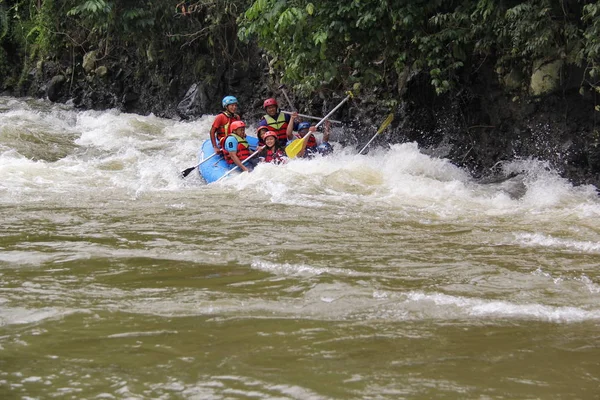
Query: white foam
{"points": [[542, 240], [20, 315], [128, 155], [501, 309], [298, 269]]}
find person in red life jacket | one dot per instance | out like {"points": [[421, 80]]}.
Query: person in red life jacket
{"points": [[311, 146], [236, 148], [222, 123], [276, 121], [273, 152]]}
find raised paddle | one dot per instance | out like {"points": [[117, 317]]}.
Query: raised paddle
{"points": [[295, 147], [187, 171], [310, 116], [282, 88], [384, 125], [236, 167]]}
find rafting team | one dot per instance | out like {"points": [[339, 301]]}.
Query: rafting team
{"points": [[275, 129]]}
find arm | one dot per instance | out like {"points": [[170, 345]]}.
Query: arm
{"points": [[290, 127], [326, 131], [213, 139], [236, 160], [213, 135]]}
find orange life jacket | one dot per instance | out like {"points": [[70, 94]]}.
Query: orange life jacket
{"points": [[312, 142], [243, 149], [223, 130]]}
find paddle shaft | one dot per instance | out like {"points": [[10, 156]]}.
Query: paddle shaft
{"points": [[236, 167], [187, 171], [282, 87], [332, 111], [295, 147], [367, 145], [384, 125], [310, 116]]}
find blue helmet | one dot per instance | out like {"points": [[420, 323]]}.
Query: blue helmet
{"points": [[303, 125], [324, 148], [227, 100]]}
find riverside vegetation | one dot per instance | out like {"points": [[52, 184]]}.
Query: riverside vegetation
{"points": [[478, 82]]}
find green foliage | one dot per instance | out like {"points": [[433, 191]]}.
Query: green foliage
{"points": [[3, 22], [589, 55], [316, 45], [333, 43]]}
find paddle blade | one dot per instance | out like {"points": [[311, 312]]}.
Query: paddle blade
{"points": [[385, 123], [294, 148], [187, 171]]}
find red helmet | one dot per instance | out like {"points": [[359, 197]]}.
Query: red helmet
{"points": [[236, 124], [269, 102], [260, 128], [269, 134]]}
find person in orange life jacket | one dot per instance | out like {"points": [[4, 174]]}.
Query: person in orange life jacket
{"points": [[276, 121], [236, 148], [272, 152], [310, 146], [221, 125]]}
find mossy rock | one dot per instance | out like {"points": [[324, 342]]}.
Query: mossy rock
{"points": [[546, 78]]}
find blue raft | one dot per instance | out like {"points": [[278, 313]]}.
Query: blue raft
{"points": [[213, 169]]}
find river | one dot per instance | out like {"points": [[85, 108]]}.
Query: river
{"points": [[391, 275]]}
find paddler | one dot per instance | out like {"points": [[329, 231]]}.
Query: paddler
{"points": [[276, 121], [236, 148], [311, 146], [222, 123], [273, 152]]}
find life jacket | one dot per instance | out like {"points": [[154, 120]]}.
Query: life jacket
{"points": [[223, 131], [278, 126], [274, 156], [242, 152], [312, 142]]}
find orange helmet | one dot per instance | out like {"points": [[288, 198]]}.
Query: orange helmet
{"points": [[269, 102], [269, 134], [235, 125]]}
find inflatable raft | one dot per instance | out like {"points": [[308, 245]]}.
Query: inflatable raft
{"points": [[212, 170]]}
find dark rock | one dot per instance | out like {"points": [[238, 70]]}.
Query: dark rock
{"points": [[194, 104], [53, 88]]}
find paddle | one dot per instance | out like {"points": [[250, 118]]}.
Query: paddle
{"points": [[310, 116], [384, 125], [236, 167], [295, 147], [282, 88], [187, 171]]}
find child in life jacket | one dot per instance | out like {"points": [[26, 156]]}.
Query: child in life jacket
{"points": [[272, 152]]}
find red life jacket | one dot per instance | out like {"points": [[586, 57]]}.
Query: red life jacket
{"points": [[223, 130], [274, 156], [278, 126], [243, 149], [312, 142]]}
